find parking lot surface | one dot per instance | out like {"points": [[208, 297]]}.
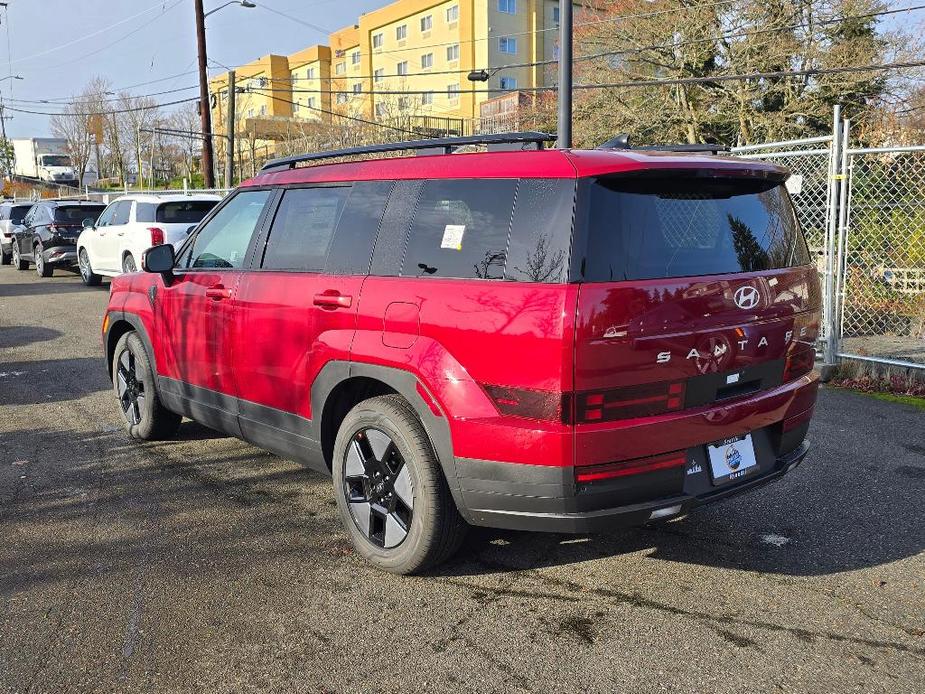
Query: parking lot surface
{"points": [[204, 564]]}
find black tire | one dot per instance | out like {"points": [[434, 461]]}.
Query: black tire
{"points": [[90, 278], [42, 269], [6, 258], [145, 417], [18, 261], [128, 264], [433, 529]]}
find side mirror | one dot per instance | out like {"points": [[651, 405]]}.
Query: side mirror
{"points": [[89, 223], [159, 259]]}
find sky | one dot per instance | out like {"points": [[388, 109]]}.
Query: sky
{"points": [[57, 46]]}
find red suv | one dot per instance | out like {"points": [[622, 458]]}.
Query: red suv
{"points": [[538, 339]]}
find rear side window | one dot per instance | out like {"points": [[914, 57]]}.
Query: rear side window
{"points": [[303, 227], [74, 214], [184, 211], [650, 228], [461, 229], [356, 233]]}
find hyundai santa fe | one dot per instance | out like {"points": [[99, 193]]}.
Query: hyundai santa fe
{"points": [[555, 340]]}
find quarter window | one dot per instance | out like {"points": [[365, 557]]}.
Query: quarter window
{"points": [[223, 242], [303, 227], [461, 229]]}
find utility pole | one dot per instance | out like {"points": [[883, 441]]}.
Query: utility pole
{"points": [[564, 135], [229, 132], [7, 164], [205, 112]]}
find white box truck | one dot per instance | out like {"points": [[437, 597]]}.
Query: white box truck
{"points": [[45, 159]]}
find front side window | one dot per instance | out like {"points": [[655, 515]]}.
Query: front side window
{"points": [[303, 227], [223, 242], [680, 226], [461, 229], [18, 213], [121, 212]]}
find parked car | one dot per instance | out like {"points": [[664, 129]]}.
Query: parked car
{"points": [[113, 244], [48, 235], [11, 215], [554, 340]]}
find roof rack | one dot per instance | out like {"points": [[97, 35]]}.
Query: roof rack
{"points": [[445, 145], [622, 141]]}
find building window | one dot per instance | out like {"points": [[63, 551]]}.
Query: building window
{"points": [[250, 113], [555, 16], [427, 98], [263, 110], [310, 73], [452, 14], [377, 40], [311, 102], [340, 68], [427, 60], [508, 44], [355, 57], [295, 108], [452, 53], [357, 87], [402, 68], [427, 23], [508, 83], [401, 32], [380, 110], [507, 6], [452, 91], [341, 98], [377, 75]]}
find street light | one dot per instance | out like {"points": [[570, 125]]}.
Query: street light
{"points": [[205, 113]]}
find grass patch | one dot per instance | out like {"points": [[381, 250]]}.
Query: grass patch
{"points": [[911, 400]]}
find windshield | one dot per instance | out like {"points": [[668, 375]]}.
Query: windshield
{"points": [[75, 214], [683, 226], [18, 212], [56, 160], [184, 212]]}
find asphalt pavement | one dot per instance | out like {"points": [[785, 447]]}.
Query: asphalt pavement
{"points": [[205, 564]]}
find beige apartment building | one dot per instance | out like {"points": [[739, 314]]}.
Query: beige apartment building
{"points": [[404, 63]]}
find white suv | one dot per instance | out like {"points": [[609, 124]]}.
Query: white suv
{"points": [[131, 225]]}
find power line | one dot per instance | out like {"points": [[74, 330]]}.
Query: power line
{"points": [[320, 29], [150, 107]]}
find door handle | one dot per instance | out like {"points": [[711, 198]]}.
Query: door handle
{"points": [[333, 299], [218, 292]]}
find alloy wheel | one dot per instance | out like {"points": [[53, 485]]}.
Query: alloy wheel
{"points": [[378, 487], [131, 389], [15, 255], [128, 264], [84, 263], [39, 260]]}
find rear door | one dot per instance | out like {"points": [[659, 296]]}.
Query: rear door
{"points": [[298, 311], [696, 291]]}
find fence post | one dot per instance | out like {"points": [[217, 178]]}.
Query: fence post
{"points": [[842, 239], [828, 295]]}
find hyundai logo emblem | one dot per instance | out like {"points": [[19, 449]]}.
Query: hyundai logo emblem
{"points": [[746, 297]]}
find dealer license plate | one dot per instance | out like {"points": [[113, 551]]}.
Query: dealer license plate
{"points": [[732, 459]]}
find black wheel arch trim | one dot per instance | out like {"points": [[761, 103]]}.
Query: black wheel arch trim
{"points": [[116, 317], [405, 384]]}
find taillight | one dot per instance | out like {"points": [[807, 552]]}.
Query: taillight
{"points": [[645, 400], [532, 404], [636, 466], [800, 361], [157, 236]]}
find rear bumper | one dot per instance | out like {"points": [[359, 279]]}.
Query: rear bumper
{"points": [[60, 255], [535, 497]]}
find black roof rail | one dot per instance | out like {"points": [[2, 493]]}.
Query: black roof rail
{"points": [[622, 141], [445, 145]]}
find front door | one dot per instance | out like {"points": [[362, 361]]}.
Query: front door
{"points": [[195, 311]]}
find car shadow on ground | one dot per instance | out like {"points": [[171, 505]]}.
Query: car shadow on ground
{"points": [[22, 335], [51, 380], [61, 283]]}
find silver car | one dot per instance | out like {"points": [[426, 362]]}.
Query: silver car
{"points": [[11, 216]]}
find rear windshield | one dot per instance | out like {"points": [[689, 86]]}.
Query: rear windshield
{"points": [[75, 214], [649, 228], [18, 212], [177, 212]]}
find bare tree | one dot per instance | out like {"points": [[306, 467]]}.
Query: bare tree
{"points": [[73, 125]]}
